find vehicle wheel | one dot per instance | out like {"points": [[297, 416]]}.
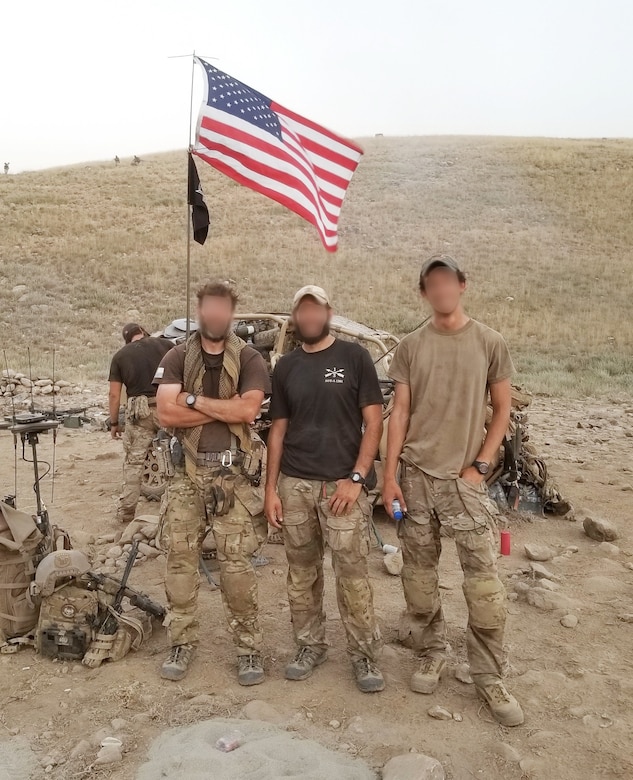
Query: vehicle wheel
{"points": [[153, 481]]}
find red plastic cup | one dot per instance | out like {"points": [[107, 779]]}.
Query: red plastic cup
{"points": [[505, 542]]}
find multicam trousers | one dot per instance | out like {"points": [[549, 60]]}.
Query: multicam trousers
{"points": [[188, 512], [463, 512], [137, 442], [308, 524]]}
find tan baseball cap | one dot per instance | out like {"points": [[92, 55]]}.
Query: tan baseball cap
{"points": [[440, 261], [318, 293]]}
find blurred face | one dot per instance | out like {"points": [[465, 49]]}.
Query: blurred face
{"points": [[215, 317], [443, 290], [311, 320]]}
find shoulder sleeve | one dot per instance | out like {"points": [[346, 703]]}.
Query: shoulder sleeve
{"points": [[500, 365], [400, 370], [279, 407], [253, 371], [115, 370], [369, 391], [171, 368]]}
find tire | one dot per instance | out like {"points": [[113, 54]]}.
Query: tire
{"points": [[153, 482]]}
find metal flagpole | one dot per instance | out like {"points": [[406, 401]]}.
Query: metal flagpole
{"points": [[189, 226]]}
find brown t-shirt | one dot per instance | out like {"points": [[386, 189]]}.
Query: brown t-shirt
{"points": [[449, 374], [215, 435]]}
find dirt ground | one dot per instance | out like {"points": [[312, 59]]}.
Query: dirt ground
{"points": [[576, 684]]}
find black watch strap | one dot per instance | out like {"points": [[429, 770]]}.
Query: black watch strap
{"points": [[357, 478]]}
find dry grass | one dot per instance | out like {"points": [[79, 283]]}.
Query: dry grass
{"points": [[544, 228]]}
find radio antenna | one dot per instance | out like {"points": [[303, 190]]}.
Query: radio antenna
{"points": [[54, 435], [28, 353], [15, 438]]}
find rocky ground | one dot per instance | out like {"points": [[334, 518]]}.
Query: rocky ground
{"points": [[569, 637]]}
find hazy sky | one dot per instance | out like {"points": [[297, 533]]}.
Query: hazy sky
{"points": [[88, 80]]}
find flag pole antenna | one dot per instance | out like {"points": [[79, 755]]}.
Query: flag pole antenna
{"points": [[189, 227]]}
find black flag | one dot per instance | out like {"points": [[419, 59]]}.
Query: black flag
{"points": [[199, 210]]}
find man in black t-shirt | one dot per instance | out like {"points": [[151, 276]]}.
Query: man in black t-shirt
{"points": [[134, 366], [327, 423]]}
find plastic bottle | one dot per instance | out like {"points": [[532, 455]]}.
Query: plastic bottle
{"points": [[230, 741], [396, 509]]}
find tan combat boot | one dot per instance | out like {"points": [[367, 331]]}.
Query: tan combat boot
{"points": [[176, 665], [504, 707], [304, 662], [426, 679]]}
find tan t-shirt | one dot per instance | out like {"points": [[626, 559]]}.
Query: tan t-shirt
{"points": [[449, 374]]}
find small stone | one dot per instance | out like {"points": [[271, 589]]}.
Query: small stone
{"points": [[626, 617], [119, 724], [507, 752], [413, 766], [512, 596], [462, 673], [439, 713], [393, 563], [608, 548], [458, 717], [146, 549], [81, 748], [542, 572], [529, 765], [599, 529], [571, 548], [109, 754], [629, 565], [569, 621], [355, 725], [579, 478], [538, 552], [549, 585], [261, 710], [335, 724], [114, 552]]}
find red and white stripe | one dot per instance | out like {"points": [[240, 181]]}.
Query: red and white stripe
{"points": [[308, 171]]}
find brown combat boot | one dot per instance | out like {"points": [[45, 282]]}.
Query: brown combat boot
{"points": [[426, 679], [504, 707]]}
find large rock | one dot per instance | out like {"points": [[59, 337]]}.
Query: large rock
{"points": [[413, 766], [261, 710], [538, 552], [599, 529], [548, 601]]}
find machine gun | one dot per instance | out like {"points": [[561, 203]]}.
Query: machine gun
{"points": [[112, 586]]}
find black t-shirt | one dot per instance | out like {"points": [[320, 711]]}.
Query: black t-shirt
{"points": [[135, 364], [216, 436], [322, 395]]}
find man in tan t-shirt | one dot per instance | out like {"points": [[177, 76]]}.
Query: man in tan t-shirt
{"points": [[444, 372]]}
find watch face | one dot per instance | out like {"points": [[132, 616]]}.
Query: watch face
{"points": [[483, 468], [191, 399]]}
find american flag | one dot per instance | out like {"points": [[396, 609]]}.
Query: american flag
{"points": [[272, 150]]}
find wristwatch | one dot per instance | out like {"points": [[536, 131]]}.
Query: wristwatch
{"points": [[481, 466], [357, 478], [190, 400]]}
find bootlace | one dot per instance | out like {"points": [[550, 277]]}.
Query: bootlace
{"points": [[498, 694], [365, 666], [249, 662], [178, 652], [305, 653]]}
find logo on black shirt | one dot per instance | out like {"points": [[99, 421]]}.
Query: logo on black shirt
{"points": [[334, 376]]}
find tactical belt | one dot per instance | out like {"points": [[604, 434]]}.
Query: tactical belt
{"points": [[225, 458]]}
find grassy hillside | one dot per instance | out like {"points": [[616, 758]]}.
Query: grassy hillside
{"points": [[543, 226]]}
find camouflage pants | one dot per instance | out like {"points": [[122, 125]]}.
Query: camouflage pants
{"points": [[463, 512], [308, 524], [137, 442], [188, 511]]}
